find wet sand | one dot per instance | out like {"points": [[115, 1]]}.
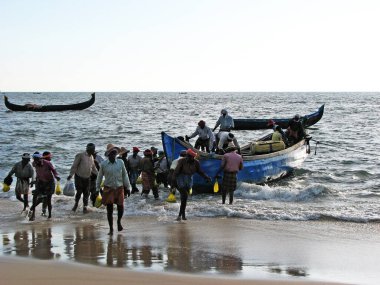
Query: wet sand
{"points": [[44, 272], [151, 250]]}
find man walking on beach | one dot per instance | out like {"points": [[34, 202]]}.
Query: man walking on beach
{"points": [[232, 163], [24, 171], [45, 184], [183, 176], [133, 168], [148, 175], [116, 185], [83, 166]]}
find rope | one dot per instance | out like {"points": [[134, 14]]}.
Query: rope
{"points": [[339, 147]]}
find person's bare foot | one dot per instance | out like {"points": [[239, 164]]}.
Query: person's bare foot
{"points": [[32, 217]]}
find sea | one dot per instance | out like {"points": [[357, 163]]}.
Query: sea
{"points": [[339, 180]]}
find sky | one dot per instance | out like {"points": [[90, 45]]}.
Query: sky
{"points": [[190, 45]]}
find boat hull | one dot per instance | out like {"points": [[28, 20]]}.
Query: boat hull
{"points": [[257, 169], [49, 108], [260, 124]]}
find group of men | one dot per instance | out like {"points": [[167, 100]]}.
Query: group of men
{"points": [[120, 175], [294, 133], [42, 173], [88, 170], [210, 142]]}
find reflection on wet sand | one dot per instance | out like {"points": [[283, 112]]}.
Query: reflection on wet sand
{"points": [[84, 245], [37, 244], [182, 256], [40, 244], [87, 244]]}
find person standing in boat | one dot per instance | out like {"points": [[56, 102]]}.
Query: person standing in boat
{"points": [[133, 168], [24, 171], [83, 166], [183, 176], [296, 131], [148, 176], [45, 184], [231, 164], [205, 137], [116, 185], [225, 121]]}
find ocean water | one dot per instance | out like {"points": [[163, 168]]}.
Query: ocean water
{"points": [[340, 182], [327, 206]]}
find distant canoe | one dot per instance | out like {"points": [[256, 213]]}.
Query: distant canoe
{"points": [[49, 108], [260, 124]]}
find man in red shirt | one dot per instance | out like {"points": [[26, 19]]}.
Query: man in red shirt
{"points": [[45, 173]]}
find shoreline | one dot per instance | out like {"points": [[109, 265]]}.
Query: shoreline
{"points": [[321, 252], [37, 272]]}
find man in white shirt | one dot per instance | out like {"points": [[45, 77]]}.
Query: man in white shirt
{"points": [[226, 139], [205, 136], [83, 166]]}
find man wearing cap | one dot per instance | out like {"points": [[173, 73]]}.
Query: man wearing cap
{"points": [[231, 164], [225, 122], [133, 168], [83, 166], [183, 176], [205, 137], [45, 184], [123, 155], [116, 185], [148, 176], [24, 171]]}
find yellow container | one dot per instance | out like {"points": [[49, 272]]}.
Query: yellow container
{"points": [[216, 186], [6, 187], [58, 190], [98, 201], [171, 198]]}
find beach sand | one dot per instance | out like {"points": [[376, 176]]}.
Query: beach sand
{"points": [[158, 250], [15, 271]]}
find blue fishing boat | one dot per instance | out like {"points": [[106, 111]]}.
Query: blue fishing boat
{"points": [[258, 168]]}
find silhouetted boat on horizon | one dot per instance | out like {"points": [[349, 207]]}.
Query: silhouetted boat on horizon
{"points": [[49, 108]]}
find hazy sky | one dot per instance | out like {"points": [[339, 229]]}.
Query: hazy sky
{"points": [[189, 45]]}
